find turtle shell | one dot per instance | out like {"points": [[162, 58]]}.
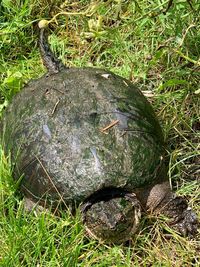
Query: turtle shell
{"points": [[81, 130]]}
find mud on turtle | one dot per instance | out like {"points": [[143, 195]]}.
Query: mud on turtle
{"points": [[88, 137]]}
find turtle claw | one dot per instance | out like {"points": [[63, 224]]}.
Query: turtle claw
{"points": [[187, 225], [183, 218]]}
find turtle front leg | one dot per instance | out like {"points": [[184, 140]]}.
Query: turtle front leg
{"points": [[184, 220], [161, 200]]}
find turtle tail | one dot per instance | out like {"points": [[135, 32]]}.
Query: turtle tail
{"points": [[50, 61]]}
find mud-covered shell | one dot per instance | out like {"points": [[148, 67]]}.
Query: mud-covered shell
{"points": [[54, 130]]}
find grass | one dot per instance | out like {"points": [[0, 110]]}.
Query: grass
{"points": [[135, 39]]}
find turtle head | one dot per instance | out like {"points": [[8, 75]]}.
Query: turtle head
{"points": [[111, 215]]}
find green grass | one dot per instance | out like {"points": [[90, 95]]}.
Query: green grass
{"points": [[161, 53]]}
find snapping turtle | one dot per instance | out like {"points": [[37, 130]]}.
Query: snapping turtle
{"points": [[85, 136]]}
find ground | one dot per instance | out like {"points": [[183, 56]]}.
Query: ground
{"points": [[138, 40]]}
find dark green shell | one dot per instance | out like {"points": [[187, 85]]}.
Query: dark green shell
{"points": [[53, 129]]}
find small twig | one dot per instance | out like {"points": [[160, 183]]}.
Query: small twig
{"points": [[125, 83], [148, 94], [55, 106], [56, 89], [109, 126], [48, 176]]}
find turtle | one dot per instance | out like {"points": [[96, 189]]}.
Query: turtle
{"points": [[86, 138]]}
